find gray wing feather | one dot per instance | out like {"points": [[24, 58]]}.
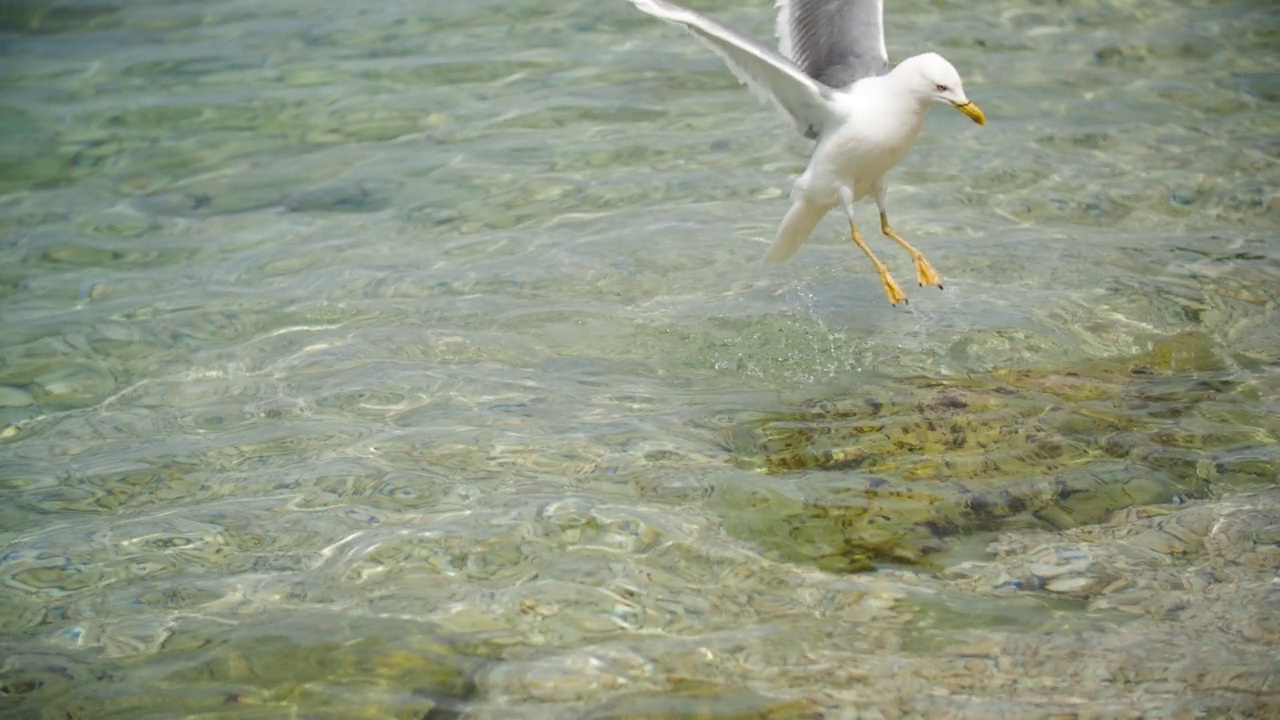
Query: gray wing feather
{"points": [[836, 42], [773, 78]]}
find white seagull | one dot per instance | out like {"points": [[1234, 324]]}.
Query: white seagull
{"points": [[831, 79]]}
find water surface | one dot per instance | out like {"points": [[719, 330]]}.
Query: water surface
{"points": [[414, 359]]}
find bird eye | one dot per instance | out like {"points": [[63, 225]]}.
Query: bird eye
{"points": [[941, 88]]}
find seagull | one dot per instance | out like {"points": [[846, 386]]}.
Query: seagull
{"points": [[831, 79]]}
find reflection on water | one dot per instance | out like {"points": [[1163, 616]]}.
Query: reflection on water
{"points": [[414, 361]]}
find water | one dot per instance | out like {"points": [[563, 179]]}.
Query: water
{"points": [[413, 360]]}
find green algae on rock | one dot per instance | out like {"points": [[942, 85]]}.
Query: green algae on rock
{"points": [[878, 478]]}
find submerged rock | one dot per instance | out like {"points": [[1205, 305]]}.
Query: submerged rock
{"points": [[888, 478], [1145, 559]]}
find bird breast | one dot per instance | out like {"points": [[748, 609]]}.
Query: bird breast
{"points": [[874, 138]]}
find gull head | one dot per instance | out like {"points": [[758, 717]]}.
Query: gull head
{"points": [[933, 79]]}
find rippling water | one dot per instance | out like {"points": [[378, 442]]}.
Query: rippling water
{"points": [[413, 360]]}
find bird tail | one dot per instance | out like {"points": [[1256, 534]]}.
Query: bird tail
{"points": [[800, 220]]}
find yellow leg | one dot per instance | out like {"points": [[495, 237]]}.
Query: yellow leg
{"points": [[925, 274], [891, 287]]}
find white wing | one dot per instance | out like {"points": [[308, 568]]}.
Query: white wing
{"points": [[774, 79]]}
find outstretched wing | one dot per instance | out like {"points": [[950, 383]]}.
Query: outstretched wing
{"points": [[836, 42], [774, 79]]}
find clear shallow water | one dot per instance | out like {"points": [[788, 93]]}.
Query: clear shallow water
{"points": [[385, 361]]}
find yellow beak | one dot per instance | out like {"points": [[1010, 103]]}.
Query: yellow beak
{"points": [[974, 112]]}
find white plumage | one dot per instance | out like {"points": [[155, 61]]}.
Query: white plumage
{"points": [[833, 84]]}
